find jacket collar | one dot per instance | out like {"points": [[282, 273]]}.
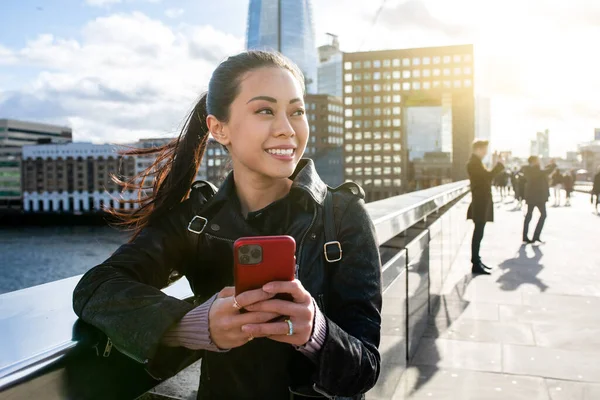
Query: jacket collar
{"points": [[305, 179]]}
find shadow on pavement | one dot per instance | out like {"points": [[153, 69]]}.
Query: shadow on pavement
{"points": [[522, 269]]}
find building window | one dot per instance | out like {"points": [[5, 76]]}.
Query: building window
{"points": [[387, 123], [376, 76], [358, 147], [358, 160], [357, 112], [367, 76], [467, 58], [357, 100], [396, 86], [386, 63], [356, 64], [447, 59], [446, 71], [396, 146], [406, 62], [348, 136], [397, 98], [406, 74], [367, 100], [426, 85], [468, 83], [436, 59], [426, 60], [456, 58], [396, 122], [406, 86], [368, 171], [376, 64], [436, 72], [457, 71], [457, 83], [358, 171], [357, 88], [348, 147], [348, 124], [377, 123], [367, 124], [348, 77], [377, 111], [387, 75], [347, 65], [387, 87], [348, 89], [377, 88], [447, 85], [387, 111], [387, 147], [416, 61], [416, 85], [467, 70], [367, 112], [416, 73], [358, 136], [396, 62], [367, 64], [348, 112], [358, 123], [368, 88], [376, 99], [426, 73], [348, 101], [396, 111], [436, 84], [348, 171], [368, 147], [357, 77], [396, 74]]}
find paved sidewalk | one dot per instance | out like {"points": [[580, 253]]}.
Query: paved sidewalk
{"points": [[529, 331]]}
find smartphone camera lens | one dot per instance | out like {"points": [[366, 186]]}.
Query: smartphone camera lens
{"points": [[244, 259], [244, 250], [255, 253]]}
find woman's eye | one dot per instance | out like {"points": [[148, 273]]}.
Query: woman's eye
{"points": [[299, 112], [265, 111]]}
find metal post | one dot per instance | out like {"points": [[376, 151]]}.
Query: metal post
{"points": [[279, 26]]}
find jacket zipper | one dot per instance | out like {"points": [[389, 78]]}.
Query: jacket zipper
{"points": [[220, 238], [304, 236], [110, 345]]}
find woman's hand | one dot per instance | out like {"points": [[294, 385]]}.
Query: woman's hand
{"points": [[225, 320], [301, 313]]}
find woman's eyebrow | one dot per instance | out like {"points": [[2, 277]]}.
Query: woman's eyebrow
{"points": [[271, 99]]}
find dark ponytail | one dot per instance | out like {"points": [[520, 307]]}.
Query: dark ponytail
{"points": [[177, 162]]}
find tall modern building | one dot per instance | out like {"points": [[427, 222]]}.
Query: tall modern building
{"points": [[483, 118], [330, 76], [407, 111], [285, 26], [13, 136]]}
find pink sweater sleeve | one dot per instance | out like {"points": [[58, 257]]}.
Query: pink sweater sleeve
{"points": [[192, 331], [312, 348]]}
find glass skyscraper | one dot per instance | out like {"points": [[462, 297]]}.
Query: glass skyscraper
{"points": [[285, 26]]}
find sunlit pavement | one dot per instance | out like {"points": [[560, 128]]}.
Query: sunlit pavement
{"points": [[531, 330]]}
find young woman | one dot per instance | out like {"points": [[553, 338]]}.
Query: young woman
{"points": [[254, 107]]}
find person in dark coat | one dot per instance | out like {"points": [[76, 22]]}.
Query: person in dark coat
{"points": [[481, 209], [537, 192], [568, 184], [596, 190]]}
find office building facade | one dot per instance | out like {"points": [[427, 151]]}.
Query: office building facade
{"points": [[74, 178], [285, 26], [381, 88], [330, 75], [13, 136], [325, 116]]}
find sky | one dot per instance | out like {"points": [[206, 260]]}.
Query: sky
{"points": [[119, 70]]}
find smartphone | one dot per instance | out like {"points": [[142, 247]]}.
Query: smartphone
{"points": [[259, 260]]}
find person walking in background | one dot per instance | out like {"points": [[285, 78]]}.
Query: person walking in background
{"points": [[596, 191], [481, 210], [537, 193], [557, 180], [568, 184]]}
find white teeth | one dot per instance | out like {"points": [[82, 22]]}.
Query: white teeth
{"points": [[281, 152]]}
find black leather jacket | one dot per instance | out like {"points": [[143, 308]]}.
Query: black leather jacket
{"points": [[122, 295]]}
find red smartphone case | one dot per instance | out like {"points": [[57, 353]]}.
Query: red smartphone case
{"points": [[278, 262]]}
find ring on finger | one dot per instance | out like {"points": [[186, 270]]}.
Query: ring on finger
{"points": [[236, 305], [250, 337], [290, 327]]}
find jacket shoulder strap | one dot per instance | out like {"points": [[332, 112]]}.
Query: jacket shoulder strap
{"points": [[201, 193]]}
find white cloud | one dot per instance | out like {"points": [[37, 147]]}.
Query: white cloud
{"points": [[174, 12], [130, 76], [101, 3]]}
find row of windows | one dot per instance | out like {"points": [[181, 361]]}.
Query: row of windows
{"points": [[416, 85], [368, 171], [372, 100], [378, 159], [372, 135], [407, 62], [330, 118], [335, 129], [406, 74], [378, 182], [378, 123], [367, 112], [358, 147], [330, 107]]}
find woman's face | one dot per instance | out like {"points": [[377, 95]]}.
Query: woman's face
{"points": [[267, 129]]}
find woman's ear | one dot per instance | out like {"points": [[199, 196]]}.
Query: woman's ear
{"points": [[217, 130]]}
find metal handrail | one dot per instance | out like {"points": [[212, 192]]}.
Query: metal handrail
{"points": [[22, 309]]}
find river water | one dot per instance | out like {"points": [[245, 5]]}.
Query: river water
{"points": [[34, 255]]}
